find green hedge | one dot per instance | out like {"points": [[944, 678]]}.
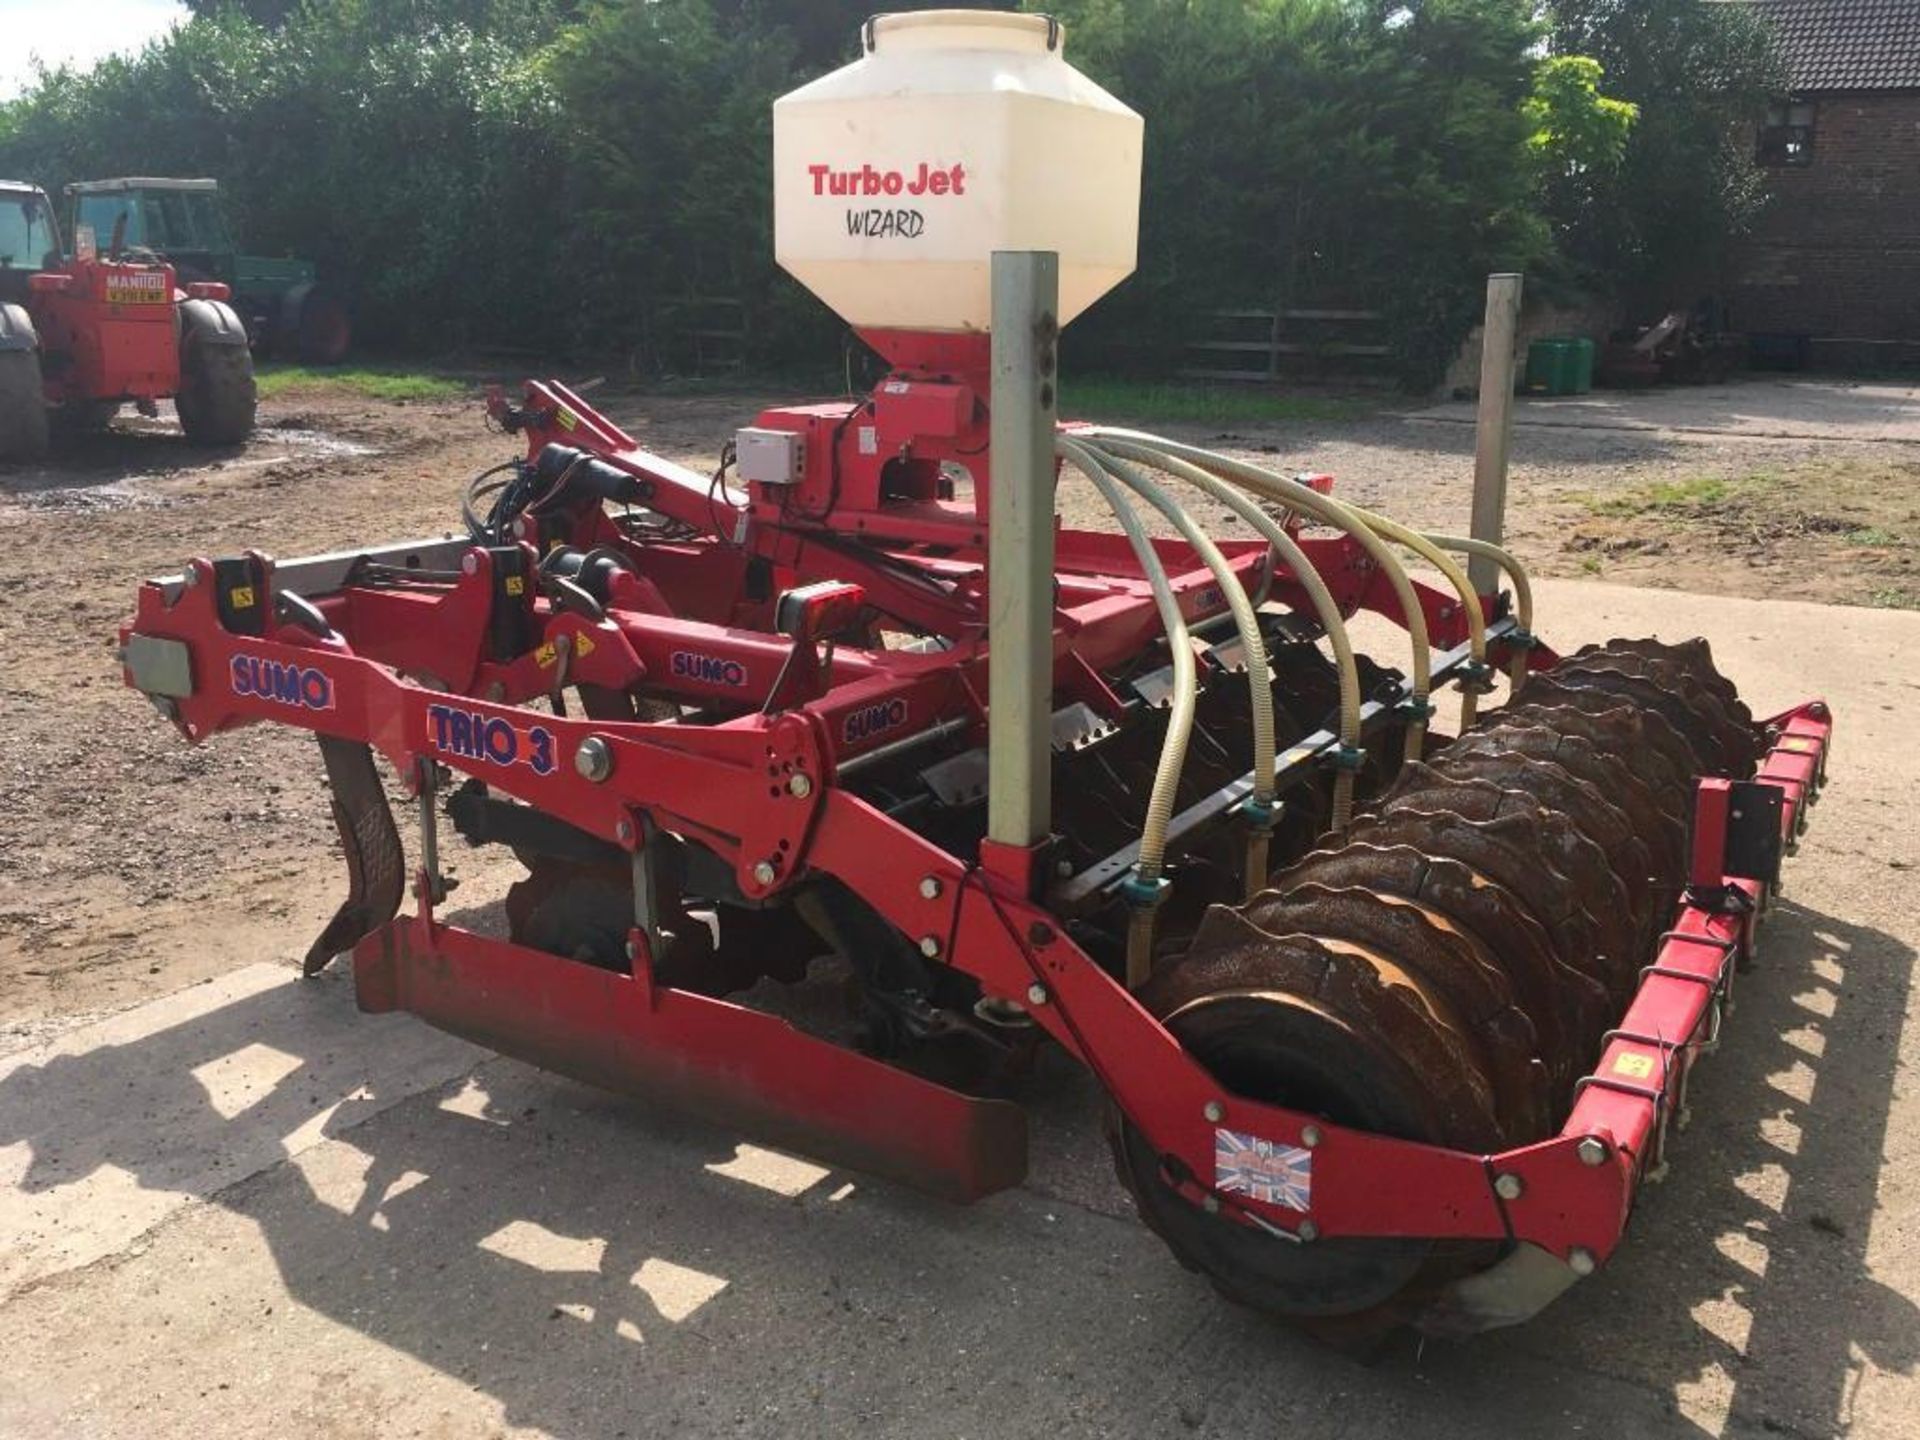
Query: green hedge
{"points": [[562, 177]]}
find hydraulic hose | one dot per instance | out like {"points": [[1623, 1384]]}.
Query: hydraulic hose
{"points": [[1326, 610], [1299, 498]]}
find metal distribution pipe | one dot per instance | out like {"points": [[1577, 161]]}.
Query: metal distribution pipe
{"points": [[1325, 609]]}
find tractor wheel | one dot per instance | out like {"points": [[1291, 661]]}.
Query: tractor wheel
{"points": [[325, 330], [216, 399], [23, 406]]}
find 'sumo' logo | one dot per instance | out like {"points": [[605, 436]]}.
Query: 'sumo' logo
{"points": [[871, 720], [708, 669]]}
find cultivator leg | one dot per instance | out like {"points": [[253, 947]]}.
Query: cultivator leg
{"points": [[1447, 974], [376, 867]]}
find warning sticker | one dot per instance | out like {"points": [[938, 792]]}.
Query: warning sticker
{"points": [[1262, 1170], [1637, 1066]]}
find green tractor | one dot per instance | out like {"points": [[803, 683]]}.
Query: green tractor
{"points": [[288, 313]]}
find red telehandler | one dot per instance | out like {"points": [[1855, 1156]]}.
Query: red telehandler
{"points": [[83, 334]]}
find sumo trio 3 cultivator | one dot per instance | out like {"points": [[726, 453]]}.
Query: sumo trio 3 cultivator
{"points": [[1392, 1026]]}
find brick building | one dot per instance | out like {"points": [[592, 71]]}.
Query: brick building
{"points": [[1834, 268]]}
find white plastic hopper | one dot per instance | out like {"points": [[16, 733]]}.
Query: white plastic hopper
{"points": [[957, 133]]}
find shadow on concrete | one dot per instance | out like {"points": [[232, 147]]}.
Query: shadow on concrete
{"points": [[1743, 1288], [602, 1272]]}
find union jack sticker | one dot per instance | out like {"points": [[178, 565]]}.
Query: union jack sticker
{"points": [[1262, 1170]]}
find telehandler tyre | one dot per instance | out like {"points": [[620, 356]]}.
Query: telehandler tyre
{"points": [[23, 406], [217, 397]]}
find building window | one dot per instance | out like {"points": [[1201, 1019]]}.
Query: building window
{"points": [[1787, 136]]}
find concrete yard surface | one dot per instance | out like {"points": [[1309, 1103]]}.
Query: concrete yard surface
{"points": [[244, 1210], [1773, 408]]}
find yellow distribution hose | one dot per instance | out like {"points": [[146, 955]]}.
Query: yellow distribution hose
{"points": [[1457, 578], [1325, 609], [1297, 497], [1260, 812], [1522, 593], [1173, 750], [1259, 673], [1151, 859]]}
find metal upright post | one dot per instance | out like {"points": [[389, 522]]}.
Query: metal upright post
{"points": [[1495, 430], [1026, 332]]}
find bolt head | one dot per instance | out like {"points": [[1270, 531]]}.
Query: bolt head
{"points": [[930, 946], [1036, 994], [1210, 1204], [1309, 1135], [1509, 1186], [594, 759], [1063, 869], [764, 873], [1580, 1260], [930, 888], [1214, 1112], [1308, 1231], [1592, 1150], [624, 831], [799, 787]]}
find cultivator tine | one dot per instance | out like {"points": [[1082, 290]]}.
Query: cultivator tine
{"points": [[376, 867]]}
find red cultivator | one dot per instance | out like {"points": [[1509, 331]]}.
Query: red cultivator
{"points": [[1421, 1075], [1393, 1027]]}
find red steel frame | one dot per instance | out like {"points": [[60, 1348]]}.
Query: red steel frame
{"points": [[759, 790]]}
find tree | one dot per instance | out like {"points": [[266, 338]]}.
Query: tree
{"points": [[1317, 152], [1657, 230]]}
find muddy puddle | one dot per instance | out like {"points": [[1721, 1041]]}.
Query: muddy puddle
{"points": [[138, 464]]}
